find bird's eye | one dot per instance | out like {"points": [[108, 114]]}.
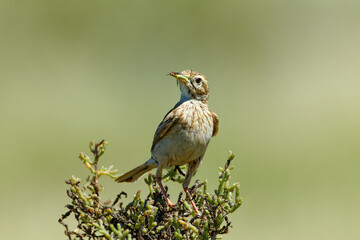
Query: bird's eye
{"points": [[198, 80]]}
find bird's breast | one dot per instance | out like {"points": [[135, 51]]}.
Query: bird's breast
{"points": [[188, 137], [195, 122]]}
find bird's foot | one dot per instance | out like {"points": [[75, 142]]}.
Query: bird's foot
{"points": [[192, 202], [195, 208], [169, 203]]}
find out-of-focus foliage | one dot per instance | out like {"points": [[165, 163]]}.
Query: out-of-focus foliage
{"points": [[148, 218]]}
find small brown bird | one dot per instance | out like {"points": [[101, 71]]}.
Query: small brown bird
{"points": [[183, 135]]}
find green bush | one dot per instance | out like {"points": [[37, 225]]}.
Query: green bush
{"points": [[148, 218]]}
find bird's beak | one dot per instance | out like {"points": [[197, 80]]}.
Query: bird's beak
{"points": [[180, 77]]}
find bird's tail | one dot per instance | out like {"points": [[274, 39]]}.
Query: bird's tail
{"points": [[137, 172]]}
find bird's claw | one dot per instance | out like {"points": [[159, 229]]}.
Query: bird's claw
{"points": [[170, 204]]}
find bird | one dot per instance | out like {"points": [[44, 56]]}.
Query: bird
{"points": [[183, 135]]}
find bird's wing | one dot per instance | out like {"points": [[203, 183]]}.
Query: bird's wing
{"points": [[216, 123], [167, 123]]}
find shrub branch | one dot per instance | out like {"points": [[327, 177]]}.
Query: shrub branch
{"points": [[148, 218]]}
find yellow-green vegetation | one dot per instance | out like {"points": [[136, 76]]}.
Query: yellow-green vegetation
{"points": [[148, 218]]}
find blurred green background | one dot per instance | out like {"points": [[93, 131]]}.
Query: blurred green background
{"points": [[284, 79]]}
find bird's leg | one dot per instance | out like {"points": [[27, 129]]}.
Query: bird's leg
{"points": [[192, 166], [192, 202], [158, 180]]}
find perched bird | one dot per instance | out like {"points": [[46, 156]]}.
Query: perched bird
{"points": [[183, 135]]}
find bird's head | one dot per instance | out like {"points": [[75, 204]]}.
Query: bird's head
{"points": [[193, 85]]}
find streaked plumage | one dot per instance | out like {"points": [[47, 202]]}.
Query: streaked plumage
{"points": [[184, 134]]}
